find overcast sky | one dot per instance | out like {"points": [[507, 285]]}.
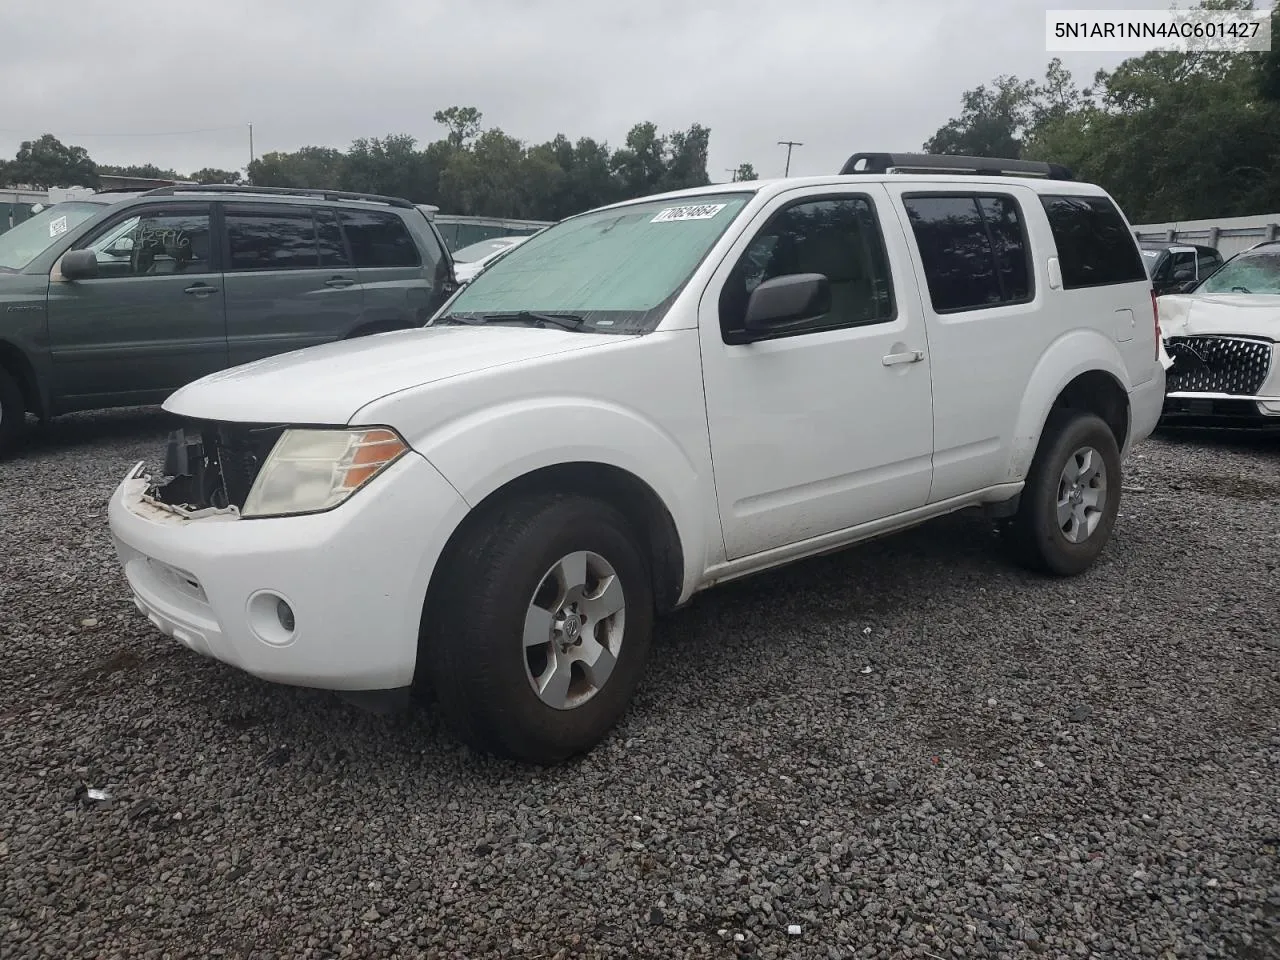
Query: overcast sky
{"points": [[123, 79]]}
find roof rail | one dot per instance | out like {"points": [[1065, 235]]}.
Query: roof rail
{"points": [[279, 191], [940, 163]]}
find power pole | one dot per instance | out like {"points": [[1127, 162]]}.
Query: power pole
{"points": [[789, 144], [251, 143], [734, 172]]}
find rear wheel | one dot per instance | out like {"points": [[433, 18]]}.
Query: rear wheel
{"points": [[537, 640], [13, 412], [1069, 504]]}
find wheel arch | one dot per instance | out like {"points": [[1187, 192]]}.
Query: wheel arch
{"points": [[1081, 371], [18, 365]]}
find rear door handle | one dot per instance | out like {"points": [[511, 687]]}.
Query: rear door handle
{"points": [[340, 282], [200, 289], [911, 356]]}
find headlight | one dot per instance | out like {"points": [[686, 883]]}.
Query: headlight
{"points": [[309, 470]]}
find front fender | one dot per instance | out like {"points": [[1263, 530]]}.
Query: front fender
{"points": [[534, 433], [1072, 354]]}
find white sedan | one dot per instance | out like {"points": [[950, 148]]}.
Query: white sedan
{"points": [[1222, 340], [470, 260]]}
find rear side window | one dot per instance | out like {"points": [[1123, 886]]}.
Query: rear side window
{"points": [[333, 249], [974, 250], [277, 239], [379, 239], [1095, 248]]}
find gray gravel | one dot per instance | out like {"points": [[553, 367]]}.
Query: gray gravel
{"points": [[1030, 768]]}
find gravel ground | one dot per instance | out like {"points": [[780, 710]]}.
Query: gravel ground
{"points": [[1029, 768]]}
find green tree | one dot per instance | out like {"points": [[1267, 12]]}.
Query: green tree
{"points": [[392, 166], [686, 158], [640, 166], [745, 172], [318, 168], [48, 162], [147, 171], [463, 124], [214, 175]]}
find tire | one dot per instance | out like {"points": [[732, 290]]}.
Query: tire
{"points": [[13, 413], [477, 659], [1037, 537]]}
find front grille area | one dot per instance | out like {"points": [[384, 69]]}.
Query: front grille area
{"points": [[213, 464], [1232, 365]]}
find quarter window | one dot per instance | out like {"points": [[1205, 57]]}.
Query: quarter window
{"points": [[1095, 248], [838, 238], [379, 239], [974, 250]]}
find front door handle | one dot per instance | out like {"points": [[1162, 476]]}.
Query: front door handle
{"points": [[340, 282], [200, 289], [911, 356]]}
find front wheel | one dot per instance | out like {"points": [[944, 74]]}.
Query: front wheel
{"points": [[538, 637], [1072, 495]]}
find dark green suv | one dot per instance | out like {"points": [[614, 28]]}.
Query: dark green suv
{"points": [[118, 300]]}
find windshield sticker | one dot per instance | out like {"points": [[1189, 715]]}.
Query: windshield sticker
{"points": [[704, 211], [58, 227]]}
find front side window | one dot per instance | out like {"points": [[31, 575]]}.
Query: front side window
{"points": [[1256, 271], [154, 243], [974, 250], [22, 244], [836, 237], [615, 270], [379, 239], [1095, 248], [277, 239]]}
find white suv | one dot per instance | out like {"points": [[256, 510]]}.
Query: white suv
{"points": [[637, 404]]}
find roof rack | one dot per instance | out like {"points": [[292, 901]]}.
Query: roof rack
{"points": [[279, 191], [940, 163]]}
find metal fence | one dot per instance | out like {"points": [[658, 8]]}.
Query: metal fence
{"points": [[1228, 236], [459, 232]]}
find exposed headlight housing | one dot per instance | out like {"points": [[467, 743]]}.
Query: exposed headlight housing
{"points": [[310, 470]]}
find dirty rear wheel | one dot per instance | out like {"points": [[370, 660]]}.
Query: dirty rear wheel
{"points": [[1072, 495], [536, 641], [13, 412]]}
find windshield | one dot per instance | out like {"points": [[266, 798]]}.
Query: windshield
{"points": [[478, 251], [616, 270], [1254, 272], [32, 237]]}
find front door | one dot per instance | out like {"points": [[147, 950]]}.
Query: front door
{"points": [[150, 322], [829, 426]]}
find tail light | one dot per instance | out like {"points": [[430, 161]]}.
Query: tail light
{"points": [[1155, 318]]}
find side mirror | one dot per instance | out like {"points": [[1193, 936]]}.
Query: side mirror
{"points": [[787, 301], [79, 265]]}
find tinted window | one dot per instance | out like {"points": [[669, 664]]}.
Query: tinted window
{"points": [[1094, 245], [272, 240], [333, 249], [974, 250], [154, 244], [839, 238], [379, 239], [1208, 261]]}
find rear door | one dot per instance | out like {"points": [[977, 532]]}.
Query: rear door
{"points": [[151, 321], [972, 250], [289, 279], [405, 275]]}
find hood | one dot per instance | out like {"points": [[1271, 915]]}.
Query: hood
{"points": [[1240, 314], [328, 384]]}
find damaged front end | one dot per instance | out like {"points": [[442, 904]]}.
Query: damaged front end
{"points": [[210, 467]]}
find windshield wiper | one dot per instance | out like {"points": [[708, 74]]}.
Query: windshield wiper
{"points": [[566, 321], [1241, 290]]}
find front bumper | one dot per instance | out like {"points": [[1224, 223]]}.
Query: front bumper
{"points": [[354, 579], [1184, 409]]}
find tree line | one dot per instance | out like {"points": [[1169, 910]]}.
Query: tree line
{"points": [[1172, 136], [471, 171]]}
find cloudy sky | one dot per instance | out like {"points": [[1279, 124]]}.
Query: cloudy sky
{"points": [[177, 84]]}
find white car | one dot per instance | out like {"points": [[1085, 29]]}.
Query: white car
{"points": [[470, 260], [1221, 342], [637, 404]]}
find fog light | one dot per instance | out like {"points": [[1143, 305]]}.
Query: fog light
{"points": [[285, 613]]}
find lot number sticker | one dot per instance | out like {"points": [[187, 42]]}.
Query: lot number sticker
{"points": [[57, 227], [703, 211]]}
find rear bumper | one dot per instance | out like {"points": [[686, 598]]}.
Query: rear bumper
{"points": [[1146, 402]]}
